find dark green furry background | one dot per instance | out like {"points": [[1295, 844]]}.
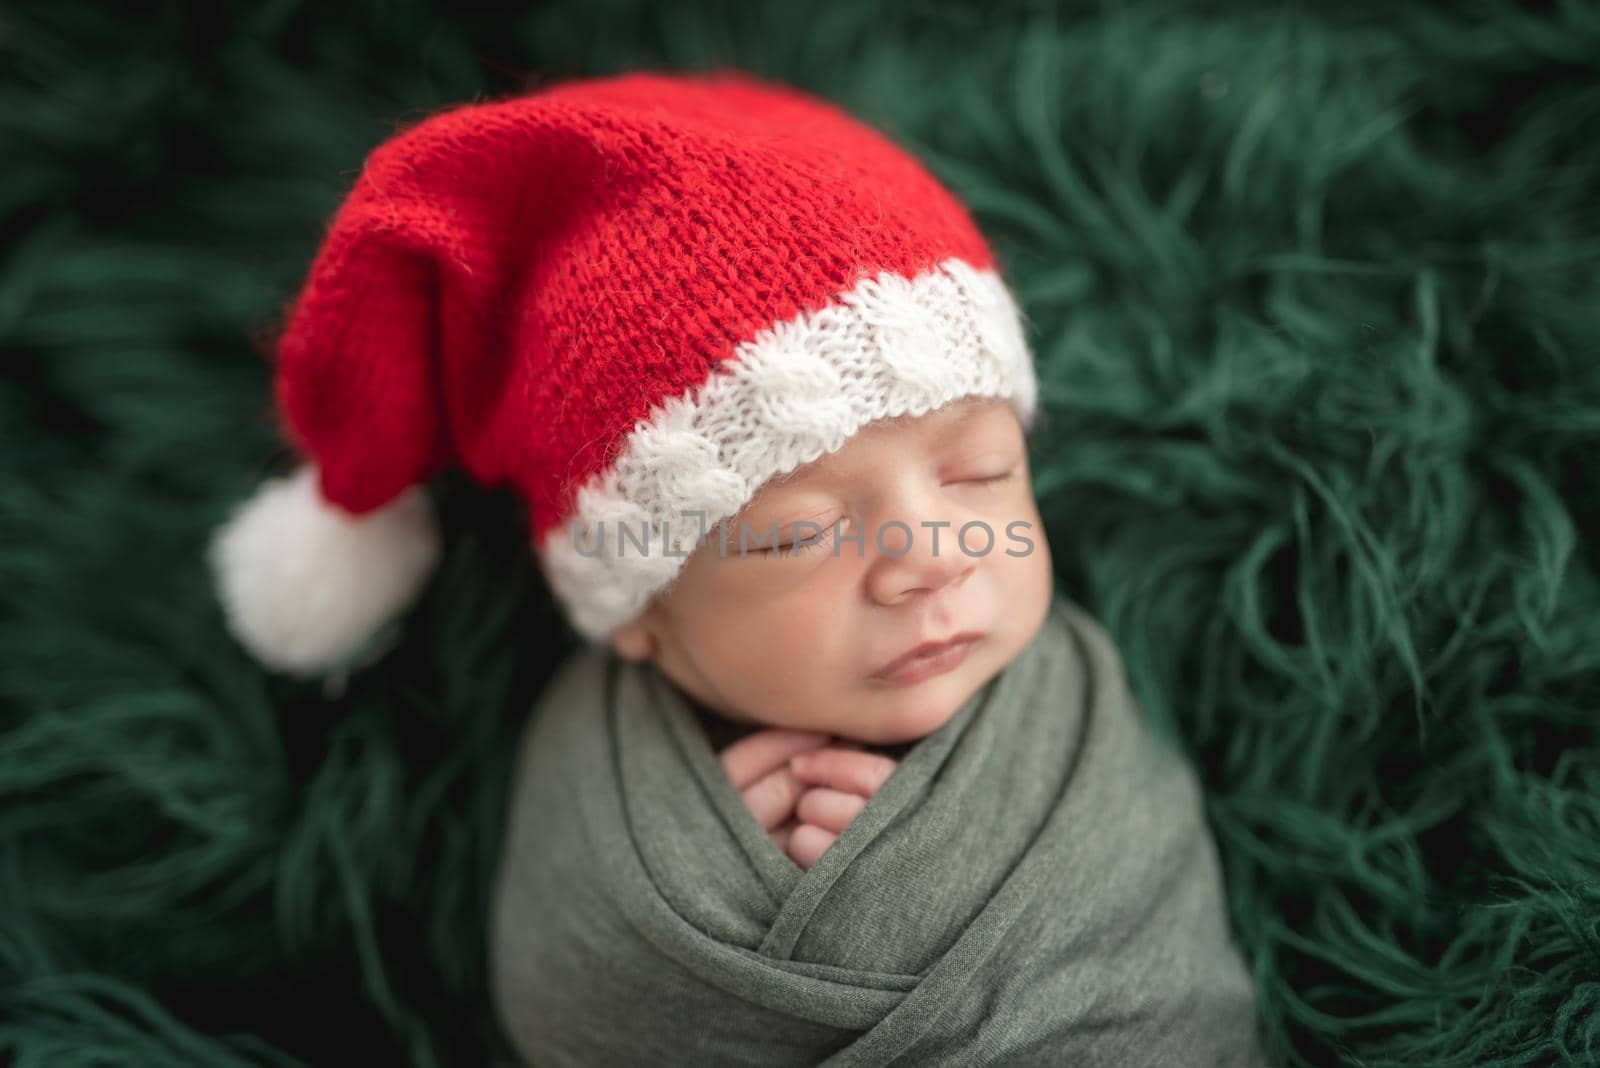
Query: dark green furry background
{"points": [[1315, 296]]}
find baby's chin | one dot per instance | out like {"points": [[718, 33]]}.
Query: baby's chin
{"points": [[892, 715]]}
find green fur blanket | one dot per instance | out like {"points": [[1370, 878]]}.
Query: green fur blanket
{"points": [[1315, 295]]}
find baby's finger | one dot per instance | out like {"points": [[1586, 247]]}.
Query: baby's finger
{"points": [[772, 798], [853, 772], [832, 810], [780, 837], [758, 754], [808, 843]]}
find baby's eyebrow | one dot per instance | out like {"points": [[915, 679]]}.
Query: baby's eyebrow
{"points": [[783, 508], [972, 413], [956, 427]]}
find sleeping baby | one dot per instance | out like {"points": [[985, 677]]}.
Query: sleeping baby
{"points": [[931, 787], [836, 776]]}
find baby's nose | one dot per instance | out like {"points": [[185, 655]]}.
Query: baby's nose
{"points": [[912, 560]]}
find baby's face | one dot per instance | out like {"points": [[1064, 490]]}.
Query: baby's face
{"points": [[797, 640]]}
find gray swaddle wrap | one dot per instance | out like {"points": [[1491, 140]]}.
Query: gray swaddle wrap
{"points": [[1034, 884]]}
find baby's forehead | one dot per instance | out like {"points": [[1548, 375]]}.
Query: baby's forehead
{"points": [[953, 423]]}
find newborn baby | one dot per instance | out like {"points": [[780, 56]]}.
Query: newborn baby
{"points": [[786, 643], [766, 820]]}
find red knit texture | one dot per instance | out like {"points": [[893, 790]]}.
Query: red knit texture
{"points": [[511, 286]]}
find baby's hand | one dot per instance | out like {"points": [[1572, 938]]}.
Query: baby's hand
{"points": [[758, 766], [803, 806], [838, 781]]}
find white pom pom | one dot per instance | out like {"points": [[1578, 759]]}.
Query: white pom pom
{"points": [[304, 584]]}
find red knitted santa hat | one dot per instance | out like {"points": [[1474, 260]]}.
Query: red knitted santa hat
{"points": [[631, 299]]}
